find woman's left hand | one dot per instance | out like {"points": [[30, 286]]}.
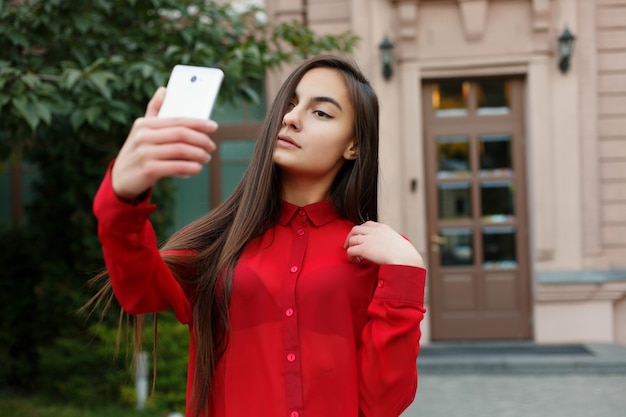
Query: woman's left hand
{"points": [[380, 244]]}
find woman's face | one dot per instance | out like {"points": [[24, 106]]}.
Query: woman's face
{"points": [[317, 134]]}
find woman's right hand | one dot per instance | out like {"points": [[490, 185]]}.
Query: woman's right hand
{"points": [[160, 147]]}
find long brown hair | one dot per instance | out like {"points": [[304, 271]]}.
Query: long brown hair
{"points": [[217, 239]]}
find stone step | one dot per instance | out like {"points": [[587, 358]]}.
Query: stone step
{"points": [[522, 358]]}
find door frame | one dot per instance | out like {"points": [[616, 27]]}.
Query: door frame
{"points": [[473, 125]]}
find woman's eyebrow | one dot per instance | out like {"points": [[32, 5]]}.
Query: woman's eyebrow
{"points": [[325, 99]]}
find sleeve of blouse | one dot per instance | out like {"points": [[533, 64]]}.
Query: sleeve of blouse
{"points": [[390, 342], [141, 280]]}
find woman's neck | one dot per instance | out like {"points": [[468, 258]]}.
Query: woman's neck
{"points": [[302, 193]]}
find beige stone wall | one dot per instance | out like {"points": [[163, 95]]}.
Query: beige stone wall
{"points": [[593, 312], [329, 16], [575, 131], [611, 58]]}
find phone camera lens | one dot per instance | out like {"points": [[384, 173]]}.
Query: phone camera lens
{"points": [[194, 79]]}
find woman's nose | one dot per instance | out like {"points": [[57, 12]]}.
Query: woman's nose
{"points": [[292, 118]]}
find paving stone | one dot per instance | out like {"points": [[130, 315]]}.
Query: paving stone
{"points": [[520, 380], [574, 395]]}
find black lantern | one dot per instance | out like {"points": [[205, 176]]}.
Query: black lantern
{"points": [[566, 47], [386, 57]]}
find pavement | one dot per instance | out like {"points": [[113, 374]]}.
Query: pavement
{"points": [[520, 379]]}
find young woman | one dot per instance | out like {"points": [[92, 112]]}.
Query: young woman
{"points": [[299, 303]]}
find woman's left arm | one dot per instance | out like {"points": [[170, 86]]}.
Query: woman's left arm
{"points": [[390, 339]]}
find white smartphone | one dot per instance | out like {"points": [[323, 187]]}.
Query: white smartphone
{"points": [[191, 92]]}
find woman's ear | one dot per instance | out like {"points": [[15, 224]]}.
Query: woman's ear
{"points": [[352, 151]]}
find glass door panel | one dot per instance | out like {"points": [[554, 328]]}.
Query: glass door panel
{"points": [[457, 247], [455, 200], [495, 154], [453, 156], [450, 98], [493, 97], [499, 247], [496, 199]]}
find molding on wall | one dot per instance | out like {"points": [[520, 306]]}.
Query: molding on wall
{"points": [[474, 18], [581, 277], [581, 286], [586, 62], [405, 14], [540, 159], [475, 67], [541, 15], [612, 293], [541, 19], [288, 10]]}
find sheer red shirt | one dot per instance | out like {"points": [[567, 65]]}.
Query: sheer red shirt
{"points": [[312, 335]]}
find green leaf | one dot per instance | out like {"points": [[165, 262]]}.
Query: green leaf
{"points": [[24, 109], [77, 119], [71, 76], [187, 36], [147, 70], [119, 112], [100, 80], [96, 64], [118, 116], [251, 94], [43, 111], [30, 80], [91, 114], [81, 23], [172, 50]]}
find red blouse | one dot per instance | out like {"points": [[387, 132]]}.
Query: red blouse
{"points": [[312, 335]]}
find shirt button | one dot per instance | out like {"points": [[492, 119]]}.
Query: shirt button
{"points": [[381, 283], [291, 357], [294, 269], [300, 232], [302, 213], [294, 414], [289, 312]]}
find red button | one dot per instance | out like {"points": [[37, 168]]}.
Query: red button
{"points": [[302, 213], [381, 283], [291, 357], [300, 232], [294, 414], [289, 312], [294, 269]]}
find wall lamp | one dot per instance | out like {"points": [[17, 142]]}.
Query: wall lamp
{"points": [[386, 57], [566, 47]]}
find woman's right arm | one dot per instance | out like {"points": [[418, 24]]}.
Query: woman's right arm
{"points": [[155, 148]]}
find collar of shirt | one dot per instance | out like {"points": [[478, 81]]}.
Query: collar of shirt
{"points": [[319, 213]]}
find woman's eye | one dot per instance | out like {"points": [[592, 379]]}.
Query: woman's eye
{"points": [[322, 114]]}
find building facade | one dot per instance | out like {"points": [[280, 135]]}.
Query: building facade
{"points": [[507, 171]]}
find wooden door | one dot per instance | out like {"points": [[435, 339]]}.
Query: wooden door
{"points": [[476, 208]]}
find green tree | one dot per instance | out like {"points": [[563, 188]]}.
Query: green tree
{"points": [[73, 76]]}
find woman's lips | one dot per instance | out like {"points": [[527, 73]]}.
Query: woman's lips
{"points": [[287, 142]]}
